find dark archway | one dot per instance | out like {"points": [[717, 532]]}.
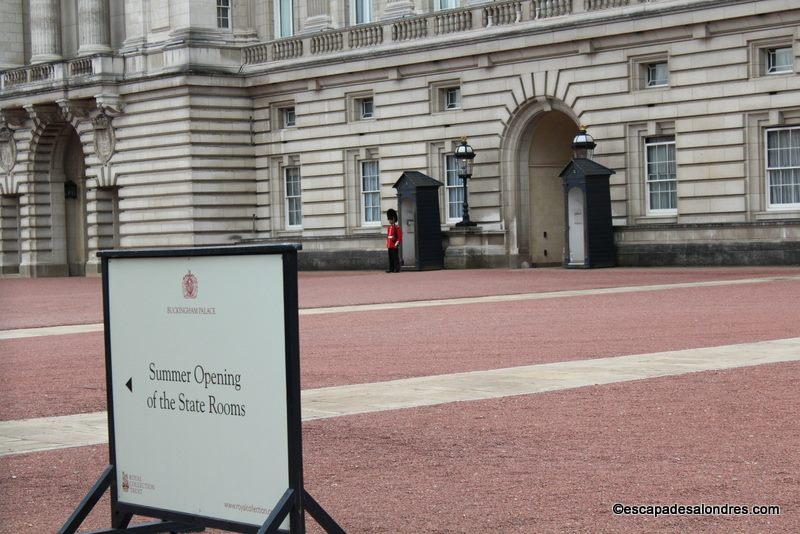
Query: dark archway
{"points": [[536, 147]]}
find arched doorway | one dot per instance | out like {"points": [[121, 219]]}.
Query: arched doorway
{"points": [[550, 151], [537, 145], [68, 203]]}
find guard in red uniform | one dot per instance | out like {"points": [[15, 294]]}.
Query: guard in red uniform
{"points": [[393, 239]]}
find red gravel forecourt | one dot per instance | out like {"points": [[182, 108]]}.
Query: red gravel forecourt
{"points": [[59, 375], [28, 303], [553, 462]]}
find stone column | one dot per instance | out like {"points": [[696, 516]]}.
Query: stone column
{"points": [[94, 34], [319, 16], [396, 9], [45, 30]]}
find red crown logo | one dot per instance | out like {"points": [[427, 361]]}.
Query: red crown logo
{"points": [[125, 484], [189, 284]]}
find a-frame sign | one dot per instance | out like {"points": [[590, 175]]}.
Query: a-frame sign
{"points": [[203, 385]]}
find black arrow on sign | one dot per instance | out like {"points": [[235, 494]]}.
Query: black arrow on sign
{"points": [[129, 383]]}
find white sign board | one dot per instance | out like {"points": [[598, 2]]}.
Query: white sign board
{"points": [[198, 364]]}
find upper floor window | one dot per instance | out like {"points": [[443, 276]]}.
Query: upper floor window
{"points": [[661, 176], [370, 192], [783, 167], [362, 11], [284, 15], [452, 97], [446, 4], [780, 60], [287, 117], [657, 74], [454, 189], [224, 14], [294, 204], [365, 108]]}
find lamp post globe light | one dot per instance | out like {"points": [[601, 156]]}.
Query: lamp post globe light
{"points": [[464, 156], [583, 145]]}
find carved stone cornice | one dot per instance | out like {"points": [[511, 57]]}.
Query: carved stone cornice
{"points": [[109, 104], [75, 111], [13, 118], [44, 114]]}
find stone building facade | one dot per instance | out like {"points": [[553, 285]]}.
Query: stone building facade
{"points": [[129, 123]]}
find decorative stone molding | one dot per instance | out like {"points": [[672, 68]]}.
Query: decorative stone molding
{"points": [[13, 118], [104, 139], [42, 115], [109, 103], [74, 111], [8, 149]]}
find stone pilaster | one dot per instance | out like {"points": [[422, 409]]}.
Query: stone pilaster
{"points": [[45, 30], [94, 35], [12, 52], [319, 16]]}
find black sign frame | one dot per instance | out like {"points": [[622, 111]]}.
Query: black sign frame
{"points": [[295, 501]]}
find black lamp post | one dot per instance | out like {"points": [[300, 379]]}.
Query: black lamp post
{"points": [[464, 156]]}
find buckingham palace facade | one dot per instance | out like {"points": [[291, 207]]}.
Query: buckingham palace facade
{"points": [[138, 123]]}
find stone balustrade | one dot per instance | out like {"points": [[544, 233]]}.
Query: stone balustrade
{"points": [[499, 14], [57, 73], [594, 5], [418, 27]]}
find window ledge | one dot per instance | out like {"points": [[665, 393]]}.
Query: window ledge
{"points": [[777, 214], [290, 232], [368, 230], [656, 219]]}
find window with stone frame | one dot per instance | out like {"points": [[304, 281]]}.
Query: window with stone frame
{"points": [[293, 194], [661, 176], [658, 74], [287, 117], [370, 192], [445, 96], [771, 57], [783, 167], [365, 108], [454, 189], [649, 72], [779, 60], [224, 14]]}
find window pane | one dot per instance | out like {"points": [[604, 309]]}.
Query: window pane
{"points": [[452, 98], [366, 108], [370, 191], [780, 60], [454, 187], [288, 117], [661, 178], [285, 17], [783, 163]]}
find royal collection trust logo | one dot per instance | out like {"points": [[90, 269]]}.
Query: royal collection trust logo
{"points": [[189, 284]]}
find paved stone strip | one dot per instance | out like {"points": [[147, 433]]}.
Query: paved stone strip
{"points": [[98, 327], [540, 295], [48, 433]]}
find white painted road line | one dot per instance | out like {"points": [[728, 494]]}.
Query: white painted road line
{"points": [[98, 327], [47, 433]]}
